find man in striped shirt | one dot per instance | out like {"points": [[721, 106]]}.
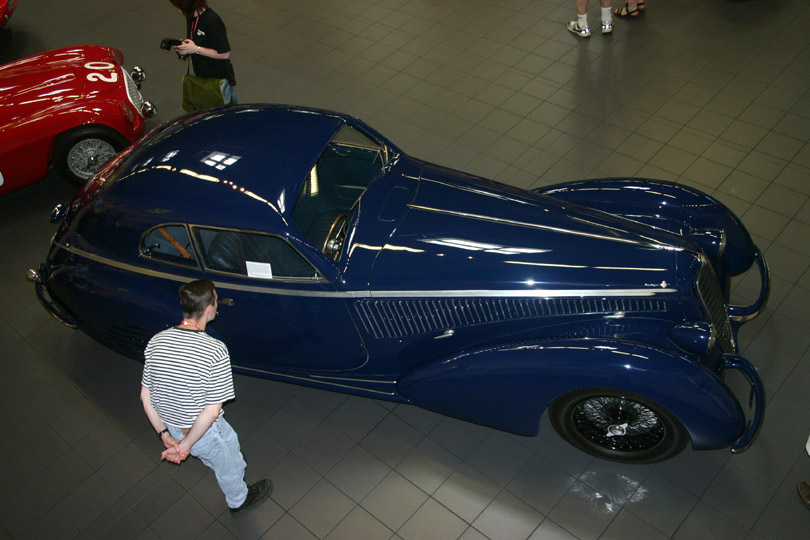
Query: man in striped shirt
{"points": [[186, 379]]}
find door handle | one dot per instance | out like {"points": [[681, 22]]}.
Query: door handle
{"points": [[225, 301], [446, 334]]}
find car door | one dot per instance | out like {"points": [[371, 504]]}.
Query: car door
{"points": [[275, 310]]}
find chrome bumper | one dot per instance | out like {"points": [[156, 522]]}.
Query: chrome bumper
{"points": [[742, 314], [756, 399], [37, 278]]}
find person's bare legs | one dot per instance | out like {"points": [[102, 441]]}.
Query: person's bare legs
{"points": [[607, 16]]}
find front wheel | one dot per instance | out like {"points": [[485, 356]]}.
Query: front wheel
{"points": [[80, 152], [617, 426]]}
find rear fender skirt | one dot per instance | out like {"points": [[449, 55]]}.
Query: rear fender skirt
{"points": [[509, 386]]}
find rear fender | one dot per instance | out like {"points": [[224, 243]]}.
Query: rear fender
{"points": [[116, 307], [509, 386]]}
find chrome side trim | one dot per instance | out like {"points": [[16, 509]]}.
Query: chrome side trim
{"points": [[493, 219], [512, 293], [451, 293], [121, 265], [332, 378], [322, 381]]}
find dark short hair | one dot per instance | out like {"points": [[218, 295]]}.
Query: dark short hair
{"points": [[188, 7], [195, 296]]}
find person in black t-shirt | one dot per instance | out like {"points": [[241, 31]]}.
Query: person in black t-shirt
{"points": [[206, 43]]}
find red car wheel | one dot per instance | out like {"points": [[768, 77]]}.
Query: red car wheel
{"points": [[80, 152]]}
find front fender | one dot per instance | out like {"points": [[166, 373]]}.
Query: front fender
{"points": [[508, 387], [665, 205]]}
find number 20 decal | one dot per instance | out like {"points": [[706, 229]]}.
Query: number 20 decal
{"points": [[105, 77]]}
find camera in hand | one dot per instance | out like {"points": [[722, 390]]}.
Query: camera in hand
{"points": [[168, 43]]}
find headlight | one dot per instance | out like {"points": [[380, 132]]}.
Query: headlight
{"points": [[711, 241], [148, 109], [138, 75], [696, 338]]}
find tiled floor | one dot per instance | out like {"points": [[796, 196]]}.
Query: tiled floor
{"points": [[710, 93]]}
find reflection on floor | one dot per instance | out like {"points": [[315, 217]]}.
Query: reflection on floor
{"points": [[710, 93]]}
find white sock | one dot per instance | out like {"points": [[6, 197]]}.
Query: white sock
{"points": [[582, 20], [607, 15]]}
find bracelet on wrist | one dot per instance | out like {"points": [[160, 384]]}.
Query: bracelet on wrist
{"points": [[160, 433]]}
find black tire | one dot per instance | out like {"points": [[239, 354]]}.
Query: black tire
{"points": [[80, 152], [617, 426]]}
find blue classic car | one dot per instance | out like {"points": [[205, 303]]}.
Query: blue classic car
{"points": [[344, 264]]}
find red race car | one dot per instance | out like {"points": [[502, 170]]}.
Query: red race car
{"points": [[75, 106], [7, 7]]}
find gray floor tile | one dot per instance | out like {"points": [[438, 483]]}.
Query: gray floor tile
{"points": [[322, 508], [707, 522], [394, 500], [360, 524], [467, 493], [358, 473], [584, 512], [433, 521], [508, 518]]}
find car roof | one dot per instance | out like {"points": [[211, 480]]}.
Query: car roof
{"points": [[262, 151]]}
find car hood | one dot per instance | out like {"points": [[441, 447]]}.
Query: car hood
{"points": [[39, 82], [462, 234]]}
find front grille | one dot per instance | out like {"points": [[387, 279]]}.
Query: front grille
{"points": [[132, 91], [397, 318], [715, 305]]}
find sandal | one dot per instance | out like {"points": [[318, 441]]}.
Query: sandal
{"points": [[624, 11]]}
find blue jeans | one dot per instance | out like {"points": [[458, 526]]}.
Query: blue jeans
{"points": [[219, 450], [228, 93]]}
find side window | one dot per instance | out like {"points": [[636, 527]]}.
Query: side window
{"points": [[253, 255], [169, 243]]}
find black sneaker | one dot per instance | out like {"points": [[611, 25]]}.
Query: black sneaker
{"points": [[256, 492]]}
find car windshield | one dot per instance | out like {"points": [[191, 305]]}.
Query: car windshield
{"points": [[337, 180]]}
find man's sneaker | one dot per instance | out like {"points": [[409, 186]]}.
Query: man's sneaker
{"points": [[607, 27], [573, 26], [256, 493]]}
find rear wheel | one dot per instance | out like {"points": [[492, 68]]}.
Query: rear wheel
{"points": [[618, 426], [80, 152]]}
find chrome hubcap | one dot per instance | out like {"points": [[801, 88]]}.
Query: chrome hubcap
{"points": [[87, 155], [618, 423]]}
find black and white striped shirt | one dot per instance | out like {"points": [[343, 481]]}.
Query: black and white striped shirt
{"points": [[185, 370]]}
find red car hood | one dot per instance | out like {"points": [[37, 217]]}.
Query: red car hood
{"points": [[43, 81]]}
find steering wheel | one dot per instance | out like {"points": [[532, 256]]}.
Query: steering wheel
{"points": [[337, 234]]}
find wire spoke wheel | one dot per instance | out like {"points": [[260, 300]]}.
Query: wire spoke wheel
{"points": [[87, 155], [618, 423], [619, 426], [80, 152]]}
